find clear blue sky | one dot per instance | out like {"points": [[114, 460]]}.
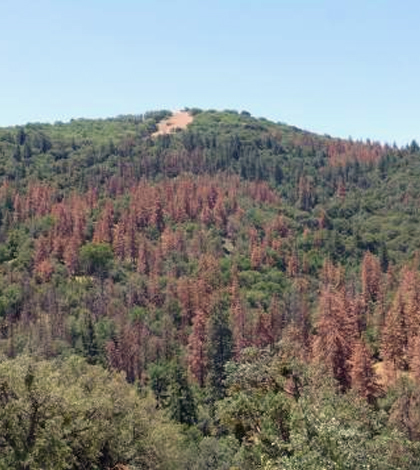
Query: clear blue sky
{"points": [[342, 67]]}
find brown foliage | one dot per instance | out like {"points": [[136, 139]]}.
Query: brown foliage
{"points": [[263, 332], [371, 277], [415, 359], [394, 335], [237, 315], [197, 359], [342, 151], [333, 344], [363, 377]]}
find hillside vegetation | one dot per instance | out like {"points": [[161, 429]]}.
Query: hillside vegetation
{"points": [[234, 294]]}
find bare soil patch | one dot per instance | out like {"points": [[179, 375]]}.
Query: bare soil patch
{"points": [[179, 120]]}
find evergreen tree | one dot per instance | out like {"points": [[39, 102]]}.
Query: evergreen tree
{"points": [[20, 136], [27, 151], [197, 358], [363, 378], [89, 341], [371, 277], [17, 154], [332, 344], [220, 344], [415, 359], [182, 406], [394, 336]]}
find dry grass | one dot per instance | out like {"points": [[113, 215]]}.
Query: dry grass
{"points": [[382, 374], [387, 375]]}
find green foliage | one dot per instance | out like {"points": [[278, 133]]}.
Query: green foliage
{"points": [[181, 403], [168, 381], [11, 300], [219, 347], [215, 454], [68, 415], [342, 431], [96, 259], [317, 428], [233, 218]]}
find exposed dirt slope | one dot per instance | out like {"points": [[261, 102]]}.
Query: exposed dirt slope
{"points": [[179, 120]]}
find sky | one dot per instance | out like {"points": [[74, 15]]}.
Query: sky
{"points": [[339, 67]]}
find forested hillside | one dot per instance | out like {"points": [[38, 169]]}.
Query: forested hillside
{"points": [[235, 294]]}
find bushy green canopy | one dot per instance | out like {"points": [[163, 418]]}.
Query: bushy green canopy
{"points": [[70, 415]]}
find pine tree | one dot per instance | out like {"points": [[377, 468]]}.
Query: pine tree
{"points": [[415, 358], [293, 264], [394, 335], [256, 256], [20, 136], [220, 216], [157, 218], [143, 257], [71, 255], [197, 359], [332, 345], [185, 294], [181, 404], [332, 275], [17, 155], [371, 277], [89, 341], [118, 244], [276, 318], [410, 286], [103, 228], [363, 377], [237, 315], [27, 151], [263, 333], [219, 349]]}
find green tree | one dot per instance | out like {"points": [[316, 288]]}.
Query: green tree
{"points": [[96, 259], [27, 151], [181, 404], [220, 345], [20, 136], [69, 415]]}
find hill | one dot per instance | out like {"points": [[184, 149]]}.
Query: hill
{"points": [[256, 284]]}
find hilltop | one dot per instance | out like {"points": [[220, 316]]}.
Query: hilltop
{"points": [[177, 121]]}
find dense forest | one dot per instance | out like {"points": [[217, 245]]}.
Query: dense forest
{"points": [[234, 294]]}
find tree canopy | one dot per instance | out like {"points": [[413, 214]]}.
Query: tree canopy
{"points": [[235, 294]]}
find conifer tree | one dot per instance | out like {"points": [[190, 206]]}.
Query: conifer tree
{"points": [[197, 358], [70, 254], [332, 345], [371, 277], [410, 286], [394, 335], [415, 358], [256, 256], [219, 349], [157, 218], [363, 377], [276, 318], [263, 333], [118, 244], [237, 314], [181, 404], [143, 257]]}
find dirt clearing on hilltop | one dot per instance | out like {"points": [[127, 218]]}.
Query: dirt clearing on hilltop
{"points": [[178, 120]]}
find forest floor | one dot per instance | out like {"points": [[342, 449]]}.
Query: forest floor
{"points": [[178, 120]]}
